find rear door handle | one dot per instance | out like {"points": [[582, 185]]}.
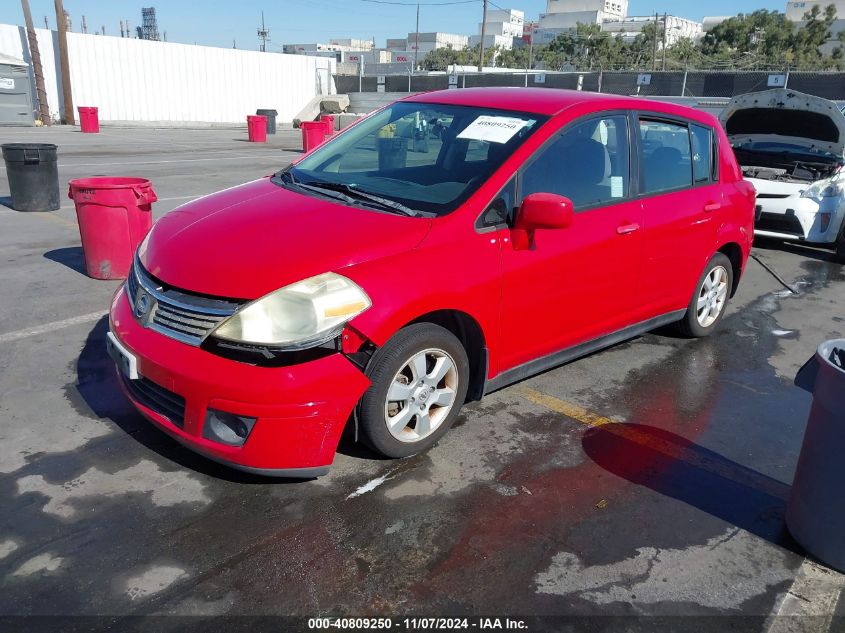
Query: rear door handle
{"points": [[712, 206], [624, 229]]}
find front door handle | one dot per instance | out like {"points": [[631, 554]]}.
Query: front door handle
{"points": [[712, 206], [624, 229]]}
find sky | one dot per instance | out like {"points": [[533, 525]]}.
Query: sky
{"points": [[224, 22]]}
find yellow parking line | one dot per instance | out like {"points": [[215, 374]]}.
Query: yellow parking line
{"points": [[568, 409]]}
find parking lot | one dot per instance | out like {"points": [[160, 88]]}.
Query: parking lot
{"points": [[648, 479]]}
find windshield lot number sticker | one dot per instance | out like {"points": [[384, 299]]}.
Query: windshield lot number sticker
{"points": [[493, 129]]}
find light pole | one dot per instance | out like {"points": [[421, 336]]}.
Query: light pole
{"points": [[483, 34]]}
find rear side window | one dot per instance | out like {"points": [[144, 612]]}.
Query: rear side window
{"points": [[588, 163], [702, 153], [666, 163]]}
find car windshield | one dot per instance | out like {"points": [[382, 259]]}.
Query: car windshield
{"points": [[413, 158], [774, 147]]}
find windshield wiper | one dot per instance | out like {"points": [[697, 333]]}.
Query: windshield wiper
{"points": [[354, 192], [290, 179]]}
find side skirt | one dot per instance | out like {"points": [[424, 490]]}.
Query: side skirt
{"points": [[534, 367]]}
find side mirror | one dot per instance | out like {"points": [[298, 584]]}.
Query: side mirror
{"points": [[540, 211]]}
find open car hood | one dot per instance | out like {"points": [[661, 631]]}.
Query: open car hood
{"points": [[785, 116]]}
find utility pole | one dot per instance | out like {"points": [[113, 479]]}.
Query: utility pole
{"points": [[654, 45], [417, 40], [85, 24], [67, 93], [483, 34], [37, 70], [263, 34], [46, 23], [665, 36]]}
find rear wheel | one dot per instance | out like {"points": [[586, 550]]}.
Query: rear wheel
{"points": [[708, 303], [419, 383]]}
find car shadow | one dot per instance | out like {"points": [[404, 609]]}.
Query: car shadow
{"points": [[796, 248], [97, 384], [70, 256], [675, 467]]}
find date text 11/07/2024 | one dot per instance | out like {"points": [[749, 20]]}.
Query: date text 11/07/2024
{"points": [[417, 624]]}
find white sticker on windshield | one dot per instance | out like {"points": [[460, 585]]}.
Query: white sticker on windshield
{"points": [[617, 188], [493, 129]]}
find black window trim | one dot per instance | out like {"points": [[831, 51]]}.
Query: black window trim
{"points": [[480, 226], [658, 117]]}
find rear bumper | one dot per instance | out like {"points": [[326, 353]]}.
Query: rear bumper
{"points": [[300, 410]]}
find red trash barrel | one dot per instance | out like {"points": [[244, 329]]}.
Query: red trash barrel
{"points": [[89, 121], [257, 127], [114, 215], [313, 134], [328, 121]]}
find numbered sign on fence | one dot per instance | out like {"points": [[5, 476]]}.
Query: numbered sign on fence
{"points": [[777, 81]]}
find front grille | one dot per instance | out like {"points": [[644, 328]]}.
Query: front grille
{"points": [[157, 398], [780, 223], [184, 316], [773, 196], [185, 322]]}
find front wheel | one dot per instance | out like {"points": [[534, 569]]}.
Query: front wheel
{"points": [[708, 303], [419, 383]]}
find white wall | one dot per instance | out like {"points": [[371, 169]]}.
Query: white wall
{"points": [[132, 80]]}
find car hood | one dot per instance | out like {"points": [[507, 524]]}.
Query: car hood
{"points": [[785, 116], [249, 240]]}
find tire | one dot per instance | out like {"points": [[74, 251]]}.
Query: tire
{"points": [[701, 321], [424, 399], [839, 248]]}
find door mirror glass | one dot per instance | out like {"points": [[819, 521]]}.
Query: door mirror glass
{"points": [[544, 211]]}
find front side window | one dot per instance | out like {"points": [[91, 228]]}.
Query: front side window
{"points": [[588, 164], [666, 164], [424, 158]]}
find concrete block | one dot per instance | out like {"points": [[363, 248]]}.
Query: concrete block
{"points": [[335, 104]]}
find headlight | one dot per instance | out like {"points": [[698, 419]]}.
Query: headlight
{"points": [[301, 315], [830, 188]]}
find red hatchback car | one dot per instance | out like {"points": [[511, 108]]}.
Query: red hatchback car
{"points": [[441, 248]]}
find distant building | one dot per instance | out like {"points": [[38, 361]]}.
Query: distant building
{"points": [[675, 28], [424, 43], [500, 29], [565, 15], [795, 12]]}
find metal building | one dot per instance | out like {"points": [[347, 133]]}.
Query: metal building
{"points": [[15, 92]]}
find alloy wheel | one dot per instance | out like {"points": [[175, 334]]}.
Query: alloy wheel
{"points": [[712, 297], [421, 395]]}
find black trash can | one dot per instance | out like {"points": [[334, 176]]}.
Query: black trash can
{"points": [[33, 176], [815, 514], [271, 119]]}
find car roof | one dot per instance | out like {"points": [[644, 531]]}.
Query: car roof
{"points": [[550, 101]]}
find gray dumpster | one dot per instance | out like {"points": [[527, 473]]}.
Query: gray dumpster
{"points": [[815, 514]]}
